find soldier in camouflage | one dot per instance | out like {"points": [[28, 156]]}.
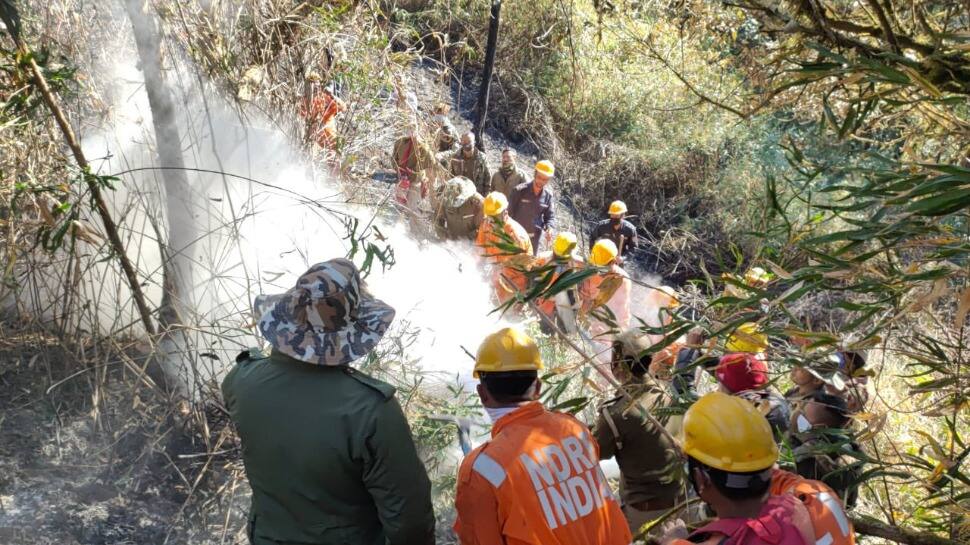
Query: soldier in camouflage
{"points": [[327, 449], [459, 213], [470, 163]]}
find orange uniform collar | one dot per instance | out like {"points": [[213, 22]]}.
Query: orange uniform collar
{"points": [[528, 410]]}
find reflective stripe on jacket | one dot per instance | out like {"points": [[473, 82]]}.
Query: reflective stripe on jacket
{"points": [[537, 482], [832, 525]]}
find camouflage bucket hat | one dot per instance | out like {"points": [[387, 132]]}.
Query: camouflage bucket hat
{"points": [[457, 190], [328, 318]]}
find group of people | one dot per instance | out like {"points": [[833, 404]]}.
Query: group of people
{"points": [[329, 454], [330, 458]]}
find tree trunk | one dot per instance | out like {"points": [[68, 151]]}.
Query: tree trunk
{"points": [[178, 250], [482, 109]]}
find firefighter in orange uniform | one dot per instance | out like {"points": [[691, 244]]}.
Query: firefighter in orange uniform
{"points": [[731, 464], [563, 307], [503, 262], [321, 112], [537, 481], [612, 289]]}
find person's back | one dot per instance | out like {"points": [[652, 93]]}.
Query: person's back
{"points": [[782, 521], [537, 481], [730, 459], [543, 467], [327, 450], [459, 211], [318, 444], [488, 239], [612, 290], [649, 472], [464, 221]]}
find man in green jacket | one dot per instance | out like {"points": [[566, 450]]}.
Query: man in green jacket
{"points": [[649, 479], [327, 449]]}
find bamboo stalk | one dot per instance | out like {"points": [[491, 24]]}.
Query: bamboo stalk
{"points": [[97, 197]]}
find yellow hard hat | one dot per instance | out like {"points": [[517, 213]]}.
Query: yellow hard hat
{"points": [[747, 338], [603, 252], [756, 276], [495, 203], [617, 208], [728, 433], [508, 349], [564, 244], [546, 167]]}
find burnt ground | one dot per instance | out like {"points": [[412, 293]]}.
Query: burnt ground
{"points": [[90, 456]]}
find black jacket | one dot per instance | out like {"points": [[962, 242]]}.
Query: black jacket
{"points": [[627, 230]]}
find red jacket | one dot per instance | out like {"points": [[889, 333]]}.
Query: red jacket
{"points": [[783, 520], [537, 482]]}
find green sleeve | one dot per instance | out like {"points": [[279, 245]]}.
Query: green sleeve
{"points": [[227, 390], [396, 479]]}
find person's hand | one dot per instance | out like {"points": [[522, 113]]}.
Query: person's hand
{"points": [[548, 236], [672, 530], [619, 260], [695, 338]]}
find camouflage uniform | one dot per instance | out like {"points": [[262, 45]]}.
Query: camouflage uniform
{"points": [[474, 168], [459, 213]]}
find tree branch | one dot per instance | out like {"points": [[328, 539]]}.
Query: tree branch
{"points": [[898, 534], [101, 207]]}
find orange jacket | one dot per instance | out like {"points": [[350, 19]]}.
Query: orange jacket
{"points": [[537, 482], [618, 302], [323, 110], [832, 525], [583, 291], [486, 240]]}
